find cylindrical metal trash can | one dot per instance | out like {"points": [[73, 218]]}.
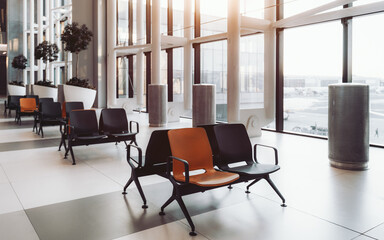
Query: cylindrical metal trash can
{"points": [[348, 125], [204, 104]]}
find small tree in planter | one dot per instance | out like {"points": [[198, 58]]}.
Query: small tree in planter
{"points": [[48, 53], [20, 63], [76, 39]]}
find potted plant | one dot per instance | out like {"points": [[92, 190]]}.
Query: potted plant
{"points": [[76, 39], [17, 87], [48, 53]]}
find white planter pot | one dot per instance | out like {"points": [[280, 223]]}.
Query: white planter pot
{"points": [[45, 92], [79, 94], [16, 90]]}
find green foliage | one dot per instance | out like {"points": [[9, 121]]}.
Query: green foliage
{"points": [[16, 83], [45, 84], [75, 38], [46, 52], [79, 82], [19, 62]]}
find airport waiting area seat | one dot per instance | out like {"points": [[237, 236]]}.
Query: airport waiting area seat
{"points": [[27, 107], [66, 109], [191, 151], [114, 123], [153, 162], [232, 145], [12, 103], [83, 129], [50, 115]]}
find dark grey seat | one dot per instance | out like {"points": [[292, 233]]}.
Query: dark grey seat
{"points": [[234, 146]]}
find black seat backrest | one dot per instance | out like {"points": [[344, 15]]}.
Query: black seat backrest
{"points": [[69, 106], [43, 100], [158, 150], [113, 120], [212, 141], [14, 101], [50, 109], [233, 143], [84, 122]]}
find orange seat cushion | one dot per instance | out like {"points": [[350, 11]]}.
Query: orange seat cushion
{"points": [[192, 145], [27, 104], [213, 178]]}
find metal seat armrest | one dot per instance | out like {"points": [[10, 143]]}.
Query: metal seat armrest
{"points": [[137, 126], [266, 146], [186, 167], [140, 151]]}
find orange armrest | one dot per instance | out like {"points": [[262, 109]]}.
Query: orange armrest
{"points": [[129, 158], [186, 167], [266, 146], [137, 126]]}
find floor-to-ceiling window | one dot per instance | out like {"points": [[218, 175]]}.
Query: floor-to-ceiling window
{"points": [[367, 68], [312, 61], [214, 71]]}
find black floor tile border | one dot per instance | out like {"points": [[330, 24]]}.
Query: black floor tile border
{"points": [[113, 215], [32, 144], [13, 125], [106, 216]]}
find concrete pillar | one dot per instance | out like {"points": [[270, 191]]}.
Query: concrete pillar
{"points": [[188, 58], [51, 36], [100, 52], [111, 55], [233, 61], [40, 36], [156, 42], [140, 56], [204, 104], [32, 41], [269, 65], [157, 105], [348, 126]]}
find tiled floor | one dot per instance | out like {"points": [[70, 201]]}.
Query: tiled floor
{"points": [[44, 197]]}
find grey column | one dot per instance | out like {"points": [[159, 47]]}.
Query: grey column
{"points": [[348, 126], [157, 105], [204, 104]]}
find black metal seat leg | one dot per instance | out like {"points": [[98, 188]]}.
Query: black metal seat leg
{"points": [[127, 185], [138, 185], [276, 190], [186, 214], [173, 197], [72, 155], [255, 181]]}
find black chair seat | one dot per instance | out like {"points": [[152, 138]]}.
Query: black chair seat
{"points": [[93, 137], [253, 169], [122, 134]]}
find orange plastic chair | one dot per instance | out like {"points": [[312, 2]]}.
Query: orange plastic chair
{"points": [[191, 151], [192, 145], [27, 108]]}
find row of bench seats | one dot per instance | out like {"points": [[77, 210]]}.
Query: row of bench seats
{"points": [[83, 129], [186, 150]]}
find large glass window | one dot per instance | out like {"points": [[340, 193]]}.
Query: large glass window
{"points": [[178, 74], [312, 61], [214, 71], [367, 67], [252, 71], [213, 17], [252, 8], [298, 6], [122, 22]]}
